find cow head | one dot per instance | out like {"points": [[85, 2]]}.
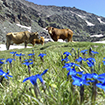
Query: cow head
{"points": [[50, 29], [34, 35]]}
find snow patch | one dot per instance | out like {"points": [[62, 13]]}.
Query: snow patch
{"points": [[44, 29], [98, 36], [101, 21], [48, 15], [83, 17], [28, 28], [89, 23], [100, 42], [3, 47]]}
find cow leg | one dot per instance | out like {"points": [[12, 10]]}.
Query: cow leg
{"points": [[25, 44], [33, 43], [56, 38], [70, 38], [7, 45]]}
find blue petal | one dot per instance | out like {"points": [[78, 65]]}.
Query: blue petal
{"points": [[33, 79], [102, 75], [10, 76], [42, 55], [5, 77], [1, 72], [40, 78], [76, 78], [76, 82], [26, 79], [84, 51], [94, 52], [31, 54], [12, 52], [2, 59], [79, 59], [103, 62], [44, 72], [80, 73], [67, 53], [95, 76]]}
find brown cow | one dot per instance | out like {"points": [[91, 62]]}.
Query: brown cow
{"points": [[20, 37], [38, 41], [63, 34]]}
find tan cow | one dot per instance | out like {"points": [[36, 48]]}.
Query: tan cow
{"points": [[20, 37], [63, 34], [38, 41]]}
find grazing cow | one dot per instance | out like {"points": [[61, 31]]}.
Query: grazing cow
{"points": [[63, 34], [20, 37], [38, 41]]}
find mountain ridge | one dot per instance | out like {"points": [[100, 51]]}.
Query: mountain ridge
{"points": [[25, 13]]}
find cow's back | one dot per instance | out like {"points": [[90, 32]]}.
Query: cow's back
{"points": [[17, 37]]}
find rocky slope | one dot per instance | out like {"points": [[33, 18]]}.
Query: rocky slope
{"points": [[21, 15]]}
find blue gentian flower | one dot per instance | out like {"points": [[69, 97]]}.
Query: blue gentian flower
{"points": [[80, 59], [83, 80], [79, 81], [84, 52], [70, 65], [20, 54], [28, 60], [27, 63], [2, 73], [31, 54], [94, 52], [13, 52], [10, 60], [41, 55], [33, 79], [90, 64], [65, 59], [91, 59], [67, 53], [73, 72]]}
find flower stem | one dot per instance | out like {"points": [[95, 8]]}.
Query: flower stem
{"points": [[94, 92], [82, 94]]}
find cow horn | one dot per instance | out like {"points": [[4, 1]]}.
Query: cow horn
{"points": [[50, 32], [46, 28]]}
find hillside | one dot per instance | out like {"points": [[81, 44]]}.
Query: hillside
{"points": [[21, 15]]}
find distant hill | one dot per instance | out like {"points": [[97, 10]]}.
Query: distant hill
{"points": [[21, 15]]}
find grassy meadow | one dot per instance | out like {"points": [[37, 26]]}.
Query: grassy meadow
{"points": [[57, 89]]}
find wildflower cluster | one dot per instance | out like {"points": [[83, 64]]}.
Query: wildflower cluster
{"points": [[81, 78], [75, 71]]}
